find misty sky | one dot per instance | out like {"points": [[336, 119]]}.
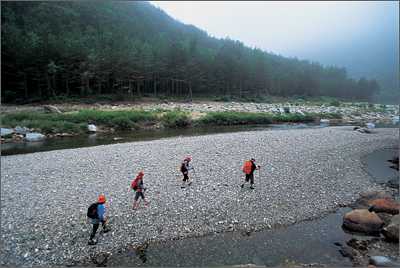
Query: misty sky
{"points": [[362, 36]]}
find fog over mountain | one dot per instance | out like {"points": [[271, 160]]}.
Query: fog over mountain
{"points": [[361, 36]]}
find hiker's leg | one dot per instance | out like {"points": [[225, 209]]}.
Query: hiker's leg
{"points": [[251, 181], [94, 230], [135, 203], [146, 203]]}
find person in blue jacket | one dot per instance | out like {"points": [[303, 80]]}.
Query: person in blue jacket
{"points": [[101, 211]]}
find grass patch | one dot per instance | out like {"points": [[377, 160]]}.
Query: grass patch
{"points": [[234, 118], [176, 118], [76, 122], [244, 118]]}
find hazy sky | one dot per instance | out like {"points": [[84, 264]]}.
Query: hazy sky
{"points": [[350, 34]]}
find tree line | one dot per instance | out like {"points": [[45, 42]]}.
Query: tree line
{"points": [[84, 49]]}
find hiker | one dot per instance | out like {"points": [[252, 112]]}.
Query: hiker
{"points": [[137, 186], [248, 168], [185, 167], [96, 212]]}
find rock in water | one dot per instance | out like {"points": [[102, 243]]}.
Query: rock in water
{"points": [[34, 137], [382, 261], [324, 122], [395, 120], [361, 220], [6, 131], [384, 205], [51, 109], [391, 232], [92, 128], [21, 130], [370, 125]]}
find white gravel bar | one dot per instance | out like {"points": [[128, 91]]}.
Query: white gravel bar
{"points": [[305, 173]]}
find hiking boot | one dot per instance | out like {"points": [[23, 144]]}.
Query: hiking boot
{"points": [[92, 242], [106, 229], [242, 185], [251, 187]]}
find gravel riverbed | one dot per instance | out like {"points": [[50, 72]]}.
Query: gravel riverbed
{"points": [[305, 173]]}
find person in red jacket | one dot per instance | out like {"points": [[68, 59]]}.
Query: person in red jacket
{"points": [[185, 168], [137, 186], [248, 168]]}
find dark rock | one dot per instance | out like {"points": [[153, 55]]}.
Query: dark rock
{"points": [[385, 217], [393, 183], [358, 244], [391, 231], [361, 220], [363, 130]]}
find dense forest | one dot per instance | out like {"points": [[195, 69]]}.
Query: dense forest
{"points": [[52, 50]]}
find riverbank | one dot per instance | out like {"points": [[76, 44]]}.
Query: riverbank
{"points": [[30, 126], [69, 120], [306, 173]]}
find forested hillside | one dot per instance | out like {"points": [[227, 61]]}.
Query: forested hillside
{"points": [[130, 49]]}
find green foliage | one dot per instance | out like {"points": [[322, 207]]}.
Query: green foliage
{"points": [[77, 121], [335, 103], [87, 49], [235, 118], [176, 118], [244, 118]]}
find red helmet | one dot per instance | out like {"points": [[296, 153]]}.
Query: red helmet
{"points": [[188, 158]]}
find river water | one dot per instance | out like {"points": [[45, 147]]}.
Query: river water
{"points": [[132, 136]]}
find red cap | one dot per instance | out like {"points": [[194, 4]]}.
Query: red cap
{"points": [[102, 198]]}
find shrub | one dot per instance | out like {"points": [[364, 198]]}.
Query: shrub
{"points": [[176, 119]]}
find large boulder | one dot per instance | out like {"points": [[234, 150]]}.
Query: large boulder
{"points": [[391, 232], [367, 197], [361, 220], [384, 205], [34, 137]]}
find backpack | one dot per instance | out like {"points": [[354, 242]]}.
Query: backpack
{"points": [[92, 211], [183, 167], [247, 167], [134, 184]]}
